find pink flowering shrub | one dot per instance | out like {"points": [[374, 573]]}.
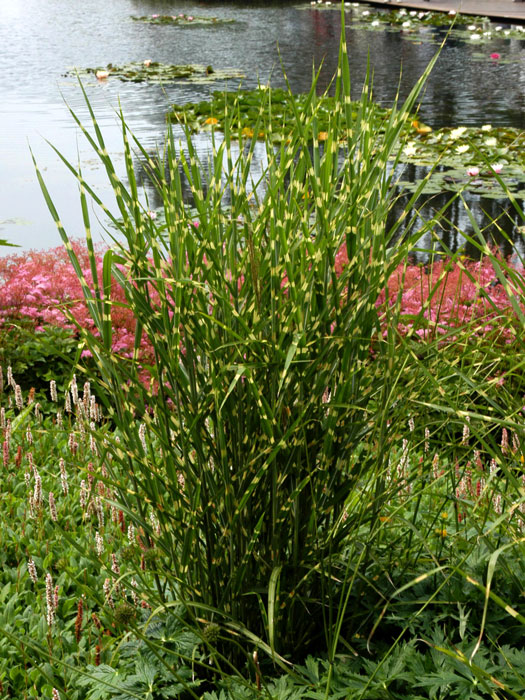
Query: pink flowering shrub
{"points": [[446, 295], [41, 287]]}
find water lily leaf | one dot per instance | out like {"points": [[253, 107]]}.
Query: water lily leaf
{"points": [[154, 72], [424, 26], [456, 150], [242, 109], [183, 20]]}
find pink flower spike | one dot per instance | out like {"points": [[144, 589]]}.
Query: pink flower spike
{"points": [[472, 172], [495, 56]]}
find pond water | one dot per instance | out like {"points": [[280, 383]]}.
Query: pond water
{"points": [[41, 39]]}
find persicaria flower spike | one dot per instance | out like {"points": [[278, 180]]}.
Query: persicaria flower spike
{"points": [[99, 544], [49, 600], [107, 593], [63, 476], [31, 570], [52, 507]]}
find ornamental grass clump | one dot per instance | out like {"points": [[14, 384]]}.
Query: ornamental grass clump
{"points": [[257, 458], [253, 452]]}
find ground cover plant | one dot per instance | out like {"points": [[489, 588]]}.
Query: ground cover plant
{"points": [[487, 160], [78, 576], [310, 487]]}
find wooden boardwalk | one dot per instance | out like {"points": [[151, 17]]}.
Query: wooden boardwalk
{"points": [[504, 10]]}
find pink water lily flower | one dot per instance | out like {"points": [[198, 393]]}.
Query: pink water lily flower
{"points": [[147, 62], [154, 16], [101, 74], [497, 167], [495, 56], [473, 171]]}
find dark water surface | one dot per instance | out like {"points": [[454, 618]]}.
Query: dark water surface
{"points": [[41, 39]]}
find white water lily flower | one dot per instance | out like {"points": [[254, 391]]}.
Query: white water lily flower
{"points": [[413, 13], [486, 127], [458, 132], [462, 149], [491, 141], [402, 12], [506, 32], [475, 37], [375, 23], [498, 28], [472, 28], [497, 167], [365, 13], [101, 74], [410, 149], [407, 24]]}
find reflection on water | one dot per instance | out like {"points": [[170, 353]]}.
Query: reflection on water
{"points": [[41, 39]]}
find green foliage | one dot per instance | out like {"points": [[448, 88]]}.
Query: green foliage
{"points": [[37, 357]]}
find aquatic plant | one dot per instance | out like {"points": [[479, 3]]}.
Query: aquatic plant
{"points": [[414, 25], [274, 111], [183, 20], [154, 72], [451, 151]]}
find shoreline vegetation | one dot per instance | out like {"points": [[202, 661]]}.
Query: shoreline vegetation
{"points": [[251, 449]]}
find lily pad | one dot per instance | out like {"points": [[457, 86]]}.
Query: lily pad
{"points": [[242, 108], [412, 24], [154, 72], [473, 158], [396, 16], [456, 180], [487, 32], [182, 20]]}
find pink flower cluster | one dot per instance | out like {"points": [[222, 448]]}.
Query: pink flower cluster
{"points": [[435, 299], [438, 298], [42, 286]]}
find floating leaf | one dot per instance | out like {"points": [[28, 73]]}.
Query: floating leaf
{"points": [[455, 149], [182, 20], [154, 72], [412, 24]]}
